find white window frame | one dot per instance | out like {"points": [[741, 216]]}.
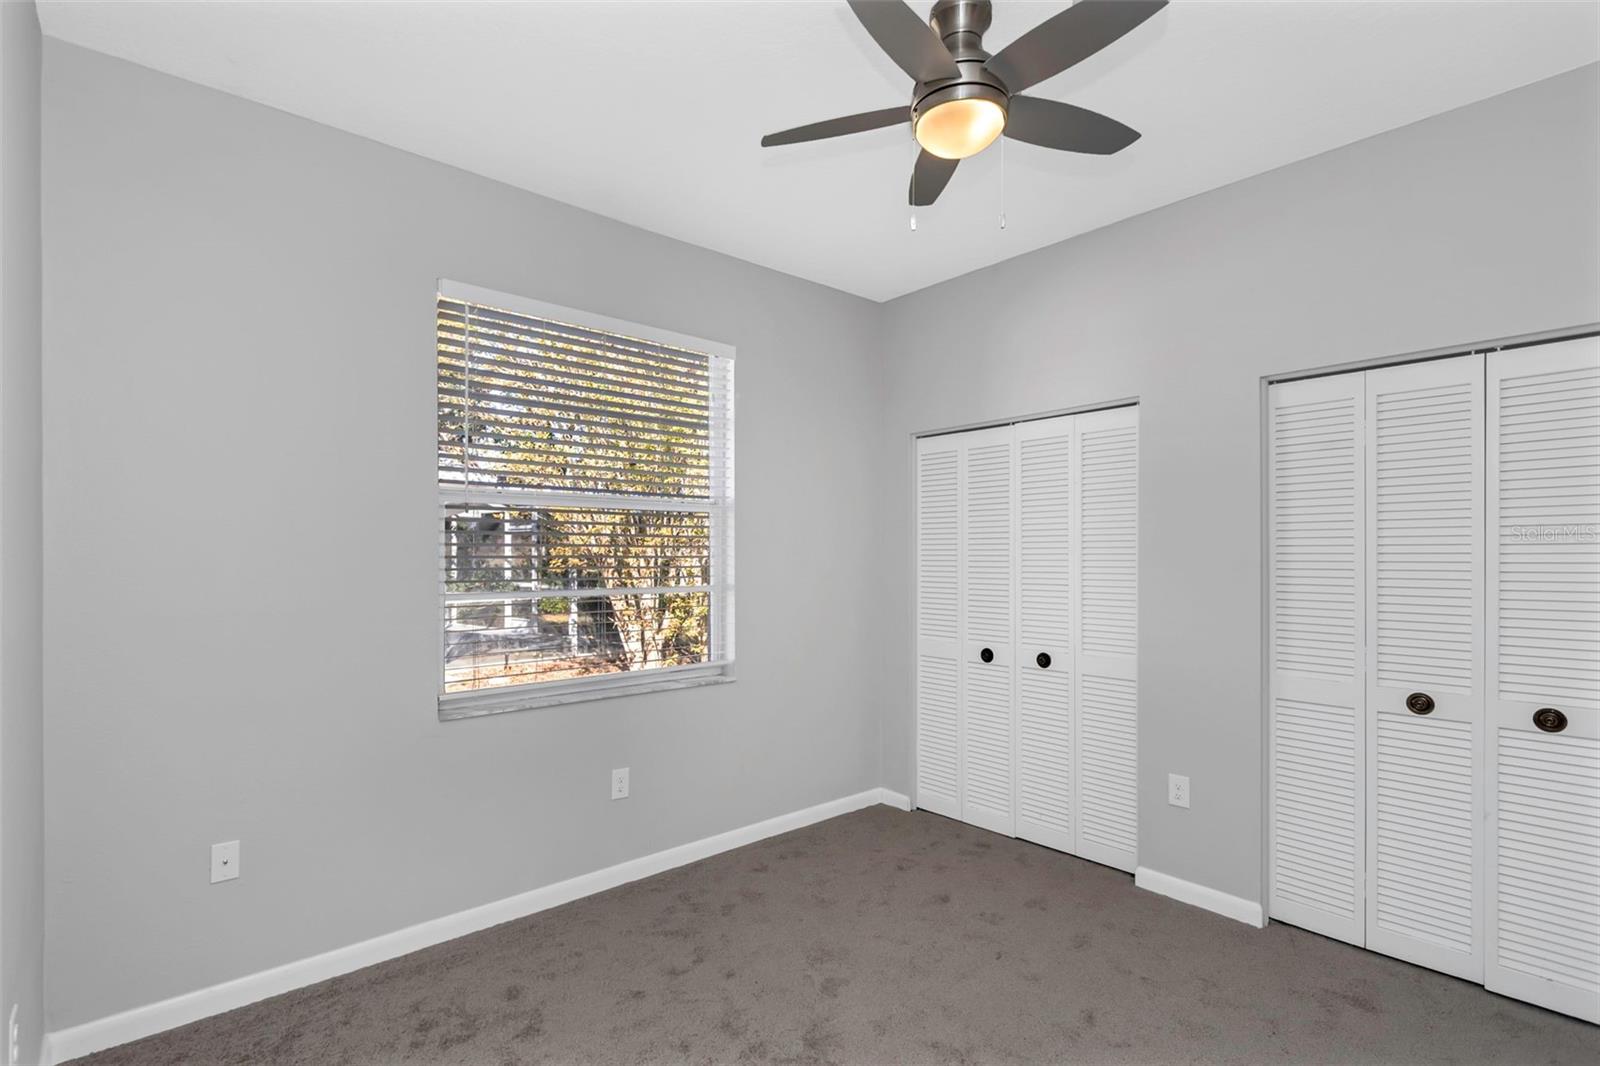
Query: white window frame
{"points": [[535, 694]]}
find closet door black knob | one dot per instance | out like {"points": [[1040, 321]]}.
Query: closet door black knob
{"points": [[1043, 660], [987, 655], [1549, 719], [1419, 703]]}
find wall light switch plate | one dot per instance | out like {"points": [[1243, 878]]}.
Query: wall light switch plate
{"points": [[1178, 790], [224, 861], [619, 784]]}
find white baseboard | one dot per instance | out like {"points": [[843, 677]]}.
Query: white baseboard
{"points": [[65, 1044], [898, 800], [1240, 910]]}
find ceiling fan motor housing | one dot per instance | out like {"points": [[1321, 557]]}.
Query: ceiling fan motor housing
{"points": [[960, 24]]}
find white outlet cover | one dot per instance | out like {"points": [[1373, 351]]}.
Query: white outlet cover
{"points": [[1178, 790], [619, 784], [224, 861]]}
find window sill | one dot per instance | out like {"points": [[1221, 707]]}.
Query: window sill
{"points": [[560, 693]]}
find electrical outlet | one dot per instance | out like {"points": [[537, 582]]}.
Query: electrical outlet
{"points": [[14, 1038], [224, 861], [619, 784], [1178, 790]]}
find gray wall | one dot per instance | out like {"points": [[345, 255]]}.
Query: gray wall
{"points": [[21, 682], [240, 513], [1476, 224]]}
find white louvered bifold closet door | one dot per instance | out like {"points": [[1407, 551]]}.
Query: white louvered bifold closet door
{"points": [[988, 608], [938, 635], [1047, 743], [1424, 674], [1543, 930], [1317, 731], [1105, 655], [1027, 631]]}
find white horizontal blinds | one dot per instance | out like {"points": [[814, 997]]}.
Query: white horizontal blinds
{"points": [[495, 551], [1046, 586], [988, 606], [585, 479], [1315, 545], [528, 402], [1105, 656], [578, 637], [722, 513], [938, 637], [1543, 929], [1425, 483], [539, 594]]}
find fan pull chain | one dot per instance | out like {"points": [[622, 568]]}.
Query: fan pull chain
{"points": [[915, 151], [1002, 182]]}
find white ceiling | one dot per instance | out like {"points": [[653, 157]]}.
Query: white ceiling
{"points": [[651, 112]]}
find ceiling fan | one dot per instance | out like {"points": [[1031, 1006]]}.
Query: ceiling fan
{"points": [[964, 98]]}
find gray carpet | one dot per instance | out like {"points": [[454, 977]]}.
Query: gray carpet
{"points": [[878, 937]]}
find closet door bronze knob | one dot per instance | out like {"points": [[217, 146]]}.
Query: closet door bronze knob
{"points": [[987, 655], [1043, 660], [1419, 703], [1549, 719]]}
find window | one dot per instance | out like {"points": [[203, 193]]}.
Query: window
{"points": [[586, 505]]}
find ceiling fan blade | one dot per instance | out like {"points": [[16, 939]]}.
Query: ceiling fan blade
{"points": [[838, 127], [1052, 124], [1066, 39], [929, 177], [908, 40]]}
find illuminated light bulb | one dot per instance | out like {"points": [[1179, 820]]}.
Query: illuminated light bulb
{"points": [[957, 129]]}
